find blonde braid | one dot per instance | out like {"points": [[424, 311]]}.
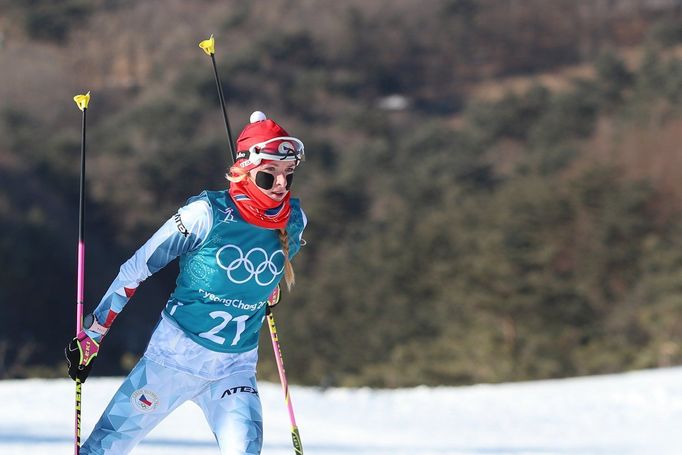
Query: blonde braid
{"points": [[288, 268]]}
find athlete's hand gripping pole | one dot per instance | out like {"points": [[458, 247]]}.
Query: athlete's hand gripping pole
{"points": [[295, 436], [82, 103], [208, 46]]}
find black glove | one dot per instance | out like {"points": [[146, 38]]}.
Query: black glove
{"points": [[80, 353], [274, 299]]}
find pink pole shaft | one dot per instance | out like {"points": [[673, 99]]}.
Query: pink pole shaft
{"points": [[80, 283], [280, 368], [80, 286]]}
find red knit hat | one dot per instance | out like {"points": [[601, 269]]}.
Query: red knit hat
{"points": [[264, 139]]}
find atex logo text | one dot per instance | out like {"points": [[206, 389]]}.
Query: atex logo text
{"points": [[242, 388], [181, 227]]}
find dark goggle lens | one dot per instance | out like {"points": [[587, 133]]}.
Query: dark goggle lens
{"points": [[267, 181]]}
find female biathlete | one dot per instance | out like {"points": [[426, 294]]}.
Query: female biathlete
{"points": [[234, 247]]}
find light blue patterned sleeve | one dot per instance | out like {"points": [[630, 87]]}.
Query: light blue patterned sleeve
{"points": [[296, 226], [183, 232], [305, 223]]}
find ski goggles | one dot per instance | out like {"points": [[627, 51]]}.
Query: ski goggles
{"points": [[289, 149]]}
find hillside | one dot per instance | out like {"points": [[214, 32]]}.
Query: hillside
{"points": [[491, 186]]}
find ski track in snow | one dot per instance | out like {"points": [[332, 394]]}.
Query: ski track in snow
{"points": [[630, 413]]}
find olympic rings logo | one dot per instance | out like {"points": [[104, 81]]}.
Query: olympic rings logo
{"points": [[244, 268]]}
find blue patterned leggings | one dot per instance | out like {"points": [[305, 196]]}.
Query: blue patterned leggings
{"points": [[151, 391]]}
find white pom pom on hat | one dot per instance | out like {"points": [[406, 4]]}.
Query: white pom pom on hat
{"points": [[257, 116]]}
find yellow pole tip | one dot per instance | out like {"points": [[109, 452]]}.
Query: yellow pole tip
{"points": [[208, 45], [82, 101]]}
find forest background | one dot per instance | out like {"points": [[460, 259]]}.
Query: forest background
{"points": [[493, 187]]}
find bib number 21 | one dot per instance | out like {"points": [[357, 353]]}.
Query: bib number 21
{"points": [[225, 318]]}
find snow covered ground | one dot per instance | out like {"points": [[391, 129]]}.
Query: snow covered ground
{"points": [[634, 413]]}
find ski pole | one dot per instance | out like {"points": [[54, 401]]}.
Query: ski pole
{"points": [[82, 103], [209, 47], [295, 436]]}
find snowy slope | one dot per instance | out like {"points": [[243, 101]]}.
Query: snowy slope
{"points": [[634, 413]]}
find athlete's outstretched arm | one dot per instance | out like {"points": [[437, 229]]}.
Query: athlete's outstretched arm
{"points": [[185, 231]]}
